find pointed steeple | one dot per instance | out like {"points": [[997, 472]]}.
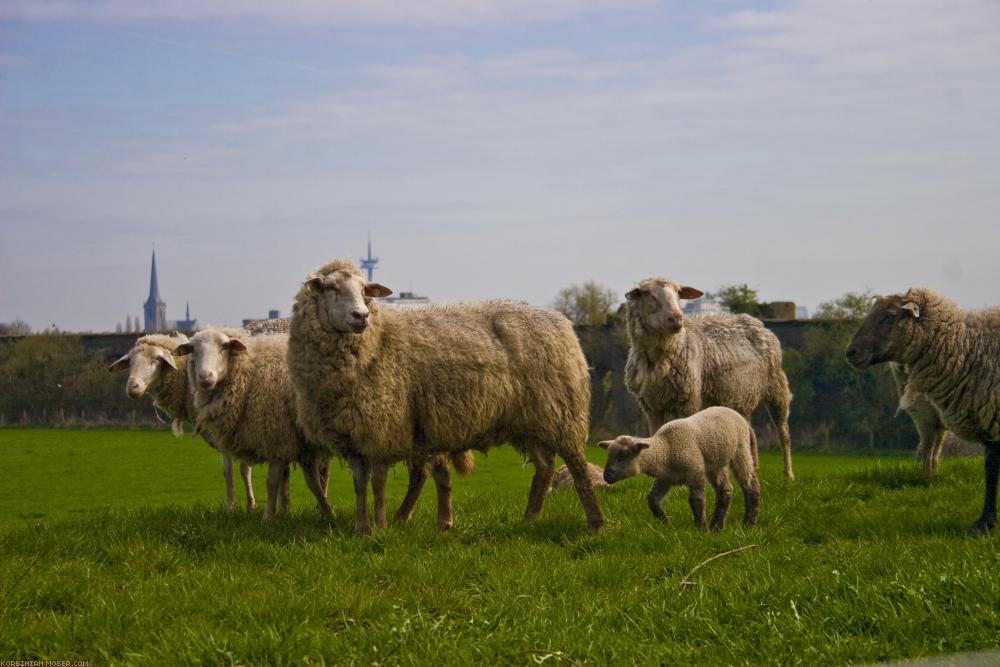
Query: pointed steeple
{"points": [[155, 309], [154, 284]]}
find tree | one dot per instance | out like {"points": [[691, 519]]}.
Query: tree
{"points": [[739, 298], [586, 304], [15, 328], [851, 306]]}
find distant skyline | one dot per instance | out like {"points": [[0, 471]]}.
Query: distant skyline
{"points": [[496, 149]]}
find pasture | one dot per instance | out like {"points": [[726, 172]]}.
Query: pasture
{"points": [[114, 548]]}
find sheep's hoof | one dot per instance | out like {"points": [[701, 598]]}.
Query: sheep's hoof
{"points": [[444, 526], [982, 526], [362, 529]]}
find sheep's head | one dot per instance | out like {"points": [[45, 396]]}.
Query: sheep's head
{"points": [[623, 457], [146, 364], [211, 352], [343, 296], [654, 307], [886, 330]]}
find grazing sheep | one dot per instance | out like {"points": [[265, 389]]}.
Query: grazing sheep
{"points": [[377, 386], [925, 418], [245, 405], [953, 358], [679, 365], [153, 369], [562, 479], [687, 451]]}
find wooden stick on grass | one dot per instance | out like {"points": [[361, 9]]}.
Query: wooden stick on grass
{"points": [[686, 581]]}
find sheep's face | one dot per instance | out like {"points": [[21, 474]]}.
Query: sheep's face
{"points": [[146, 364], [623, 457], [884, 332], [211, 353], [654, 306], [344, 298]]}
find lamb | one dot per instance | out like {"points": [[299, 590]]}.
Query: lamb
{"points": [[377, 386], [686, 451], [245, 405], [953, 358], [153, 369], [677, 366], [562, 479], [925, 418]]}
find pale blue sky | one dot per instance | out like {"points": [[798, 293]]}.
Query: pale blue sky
{"points": [[498, 149]]}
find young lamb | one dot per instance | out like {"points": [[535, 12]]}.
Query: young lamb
{"points": [[153, 369], [377, 386], [925, 418], [678, 365], [687, 451], [953, 358], [245, 405]]}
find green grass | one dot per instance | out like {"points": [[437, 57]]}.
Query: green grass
{"points": [[114, 548]]}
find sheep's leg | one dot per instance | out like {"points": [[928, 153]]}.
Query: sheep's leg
{"points": [[227, 474], [696, 498], [323, 466], [276, 473], [380, 473], [418, 475], [442, 479], [360, 471], [743, 468], [931, 439], [652, 422], [248, 485], [577, 465], [655, 497], [778, 411], [936, 450], [312, 471], [283, 497], [723, 496], [988, 519], [545, 466]]}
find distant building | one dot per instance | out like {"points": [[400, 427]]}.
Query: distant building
{"points": [[405, 300], [272, 314], [187, 324], [708, 304], [155, 308], [801, 313]]}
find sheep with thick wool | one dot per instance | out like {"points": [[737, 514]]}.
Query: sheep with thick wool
{"points": [[378, 386], [687, 452], [154, 370], [952, 356], [245, 406], [925, 418], [679, 365]]}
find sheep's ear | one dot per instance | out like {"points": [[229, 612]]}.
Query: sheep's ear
{"points": [[639, 446], [689, 292], [314, 281], [911, 308], [236, 345], [168, 359], [376, 290], [633, 294], [181, 337], [604, 444], [120, 364], [183, 350]]}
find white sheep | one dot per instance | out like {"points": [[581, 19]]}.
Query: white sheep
{"points": [[687, 452], [953, 358], [930, 430], [378, 386], [153, 370], [679, 365], [245, 405]]}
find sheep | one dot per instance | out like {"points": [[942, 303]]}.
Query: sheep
{"points": [[925, 418], [953, 358], [245, 405], [153, 369], [562, 479], [377, 385], [687, 451], [418, 471], [677, 366]]}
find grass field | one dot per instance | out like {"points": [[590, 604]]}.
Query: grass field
{"points": [[114, 548]]}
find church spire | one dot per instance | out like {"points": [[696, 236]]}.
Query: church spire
{"points": [[155, 309]]}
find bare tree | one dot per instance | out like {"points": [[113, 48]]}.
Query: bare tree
{"points": [[588, 303]]}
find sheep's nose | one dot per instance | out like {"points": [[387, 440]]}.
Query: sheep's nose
{"points": [[206, 378], [134, 387], [359, 316]]}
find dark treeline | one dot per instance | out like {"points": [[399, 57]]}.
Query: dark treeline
{"points": [[63, 379]]}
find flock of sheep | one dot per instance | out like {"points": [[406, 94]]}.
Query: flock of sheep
{"points": [[374, 386]]}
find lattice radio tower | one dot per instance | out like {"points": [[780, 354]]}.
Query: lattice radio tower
{"points": [[368, 263]]}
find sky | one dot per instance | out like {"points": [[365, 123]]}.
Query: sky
{"points": [[495, 149]]}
